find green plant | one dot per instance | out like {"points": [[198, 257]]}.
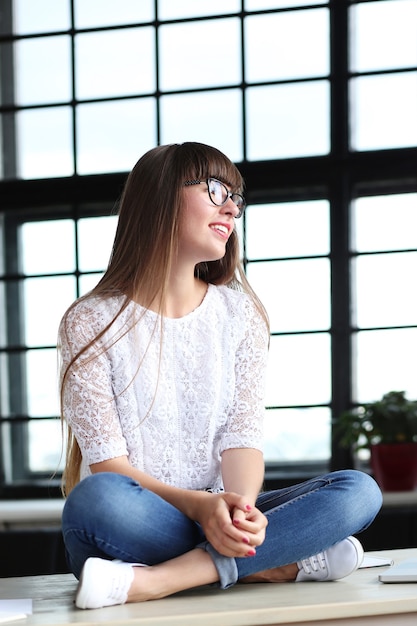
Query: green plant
{"points": [[393, 419]]}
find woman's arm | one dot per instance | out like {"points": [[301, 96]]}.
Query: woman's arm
{"points": [[243, 472]]}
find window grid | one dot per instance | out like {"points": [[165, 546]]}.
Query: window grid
{"points": [[10, 109], [341, 176]]}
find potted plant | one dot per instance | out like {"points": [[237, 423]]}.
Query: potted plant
{"points": [[388, 428]]}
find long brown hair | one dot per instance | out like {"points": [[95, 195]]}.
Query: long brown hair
{"points": [[146, 242]]}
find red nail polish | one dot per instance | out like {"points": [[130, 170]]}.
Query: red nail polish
{"points": [[245, 540], [251, 553], [248, 507], [236, 522]]}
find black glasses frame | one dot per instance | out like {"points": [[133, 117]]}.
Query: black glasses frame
{"points": [[236, 198]]}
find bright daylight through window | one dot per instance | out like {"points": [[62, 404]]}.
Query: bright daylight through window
{"points": [[315, 101]]}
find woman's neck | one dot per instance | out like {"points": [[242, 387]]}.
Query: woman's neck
{"points": [[182, 296]]}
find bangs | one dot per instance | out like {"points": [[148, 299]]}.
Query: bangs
{"points": [[201, 161]]}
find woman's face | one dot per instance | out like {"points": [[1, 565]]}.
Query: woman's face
{"points": [[204, 227]]}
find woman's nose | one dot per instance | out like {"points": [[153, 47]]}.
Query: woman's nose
{"points": [[231, 208]]}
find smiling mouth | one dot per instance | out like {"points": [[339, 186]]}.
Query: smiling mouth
{"points": [[222, 230]]}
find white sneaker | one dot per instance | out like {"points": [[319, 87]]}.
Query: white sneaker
{"points": [[104, 583], [337, 562]]}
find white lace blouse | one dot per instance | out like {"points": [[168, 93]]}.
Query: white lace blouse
{"points": [[171, 407]]}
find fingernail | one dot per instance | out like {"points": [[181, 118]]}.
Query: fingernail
{"points": [[245, 540], [248, 507], [236, 522], [251, 553]]}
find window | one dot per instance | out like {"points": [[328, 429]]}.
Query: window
{"points": [[292, 277], [384, 264], [314, 103], [60, 258]]}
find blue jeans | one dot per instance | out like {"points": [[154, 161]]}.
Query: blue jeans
{"points": [[111, 516]]}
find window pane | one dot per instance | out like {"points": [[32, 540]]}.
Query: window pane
{"points": [[4, 384], [296, 293], [287, 45], [212, 117], [297, 434], [384, 111], [43, 70], [288, 120], [186, 64], [287, 229], [93, 13], [384, 35], [44, 142], [115, 63], [113, 135], [386, 362], [45, 446], [47, 246], [168, 10], [41, 322], [298, 370], [42, 383], [385, 222], [88, 282], [259, 5], [385, 293], [41, 16], [95, 240]]}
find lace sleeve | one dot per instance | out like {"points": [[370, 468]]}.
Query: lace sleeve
{"points": [[245, 422], [89, 405]]}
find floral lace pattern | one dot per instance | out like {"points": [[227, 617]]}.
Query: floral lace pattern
{"points": [[173, 406]]}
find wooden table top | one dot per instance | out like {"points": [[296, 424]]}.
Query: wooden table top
{"points": [[360, 594]]}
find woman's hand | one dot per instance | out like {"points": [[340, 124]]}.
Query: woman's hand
{"points": [[232, 526], [238, 526], [230, 522]]}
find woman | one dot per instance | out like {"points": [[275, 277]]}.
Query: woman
{"points": [[163, 368]]}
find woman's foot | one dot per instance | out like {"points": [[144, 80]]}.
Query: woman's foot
{"points": [[283, 574], [337, 562], [104, 583]]}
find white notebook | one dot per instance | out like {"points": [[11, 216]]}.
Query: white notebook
{"points": [[404, 572]]}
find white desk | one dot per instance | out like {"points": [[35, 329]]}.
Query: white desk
{"points": [[357, 600]]}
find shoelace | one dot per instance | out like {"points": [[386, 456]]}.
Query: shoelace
{"points": [[314, 563]]}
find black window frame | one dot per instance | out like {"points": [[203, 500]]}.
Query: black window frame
{"points": [[341, 176]]}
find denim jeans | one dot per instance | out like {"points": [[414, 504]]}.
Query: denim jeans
{"points": [[111, 516]]}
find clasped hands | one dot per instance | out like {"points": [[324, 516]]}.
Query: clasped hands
{"points": [[232, 526]]}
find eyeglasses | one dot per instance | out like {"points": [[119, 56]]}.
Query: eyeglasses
{"points": [[219, 193]]}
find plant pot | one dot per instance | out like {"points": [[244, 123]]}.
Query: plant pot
{"points": [[395, 466]]}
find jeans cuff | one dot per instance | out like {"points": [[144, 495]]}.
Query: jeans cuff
{"points": [[225, 565]]}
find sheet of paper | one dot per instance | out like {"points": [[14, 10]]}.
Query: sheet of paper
{"points": [[11, 617], [375, 561], [11, 610]]}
